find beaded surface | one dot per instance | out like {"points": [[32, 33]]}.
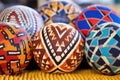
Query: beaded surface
{"points": [[103, 48], [23, 16]]}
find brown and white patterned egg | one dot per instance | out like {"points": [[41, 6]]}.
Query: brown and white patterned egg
{"points": [[58, 48]]}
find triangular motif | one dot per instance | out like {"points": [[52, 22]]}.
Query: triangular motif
{"points": [[93, 21], [13, 17], [39, 46], [60, 31], [107, 18], [58, 47], [81, 17], [104, 12], [85, 31]]}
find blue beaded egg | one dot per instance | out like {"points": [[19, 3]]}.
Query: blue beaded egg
{"points": [[102, 48]]}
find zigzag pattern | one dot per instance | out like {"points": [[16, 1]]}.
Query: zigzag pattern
{"points": [[51, 33], [28, 18]]}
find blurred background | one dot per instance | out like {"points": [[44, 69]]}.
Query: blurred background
{"points": [[114, 4], [35, 3]]}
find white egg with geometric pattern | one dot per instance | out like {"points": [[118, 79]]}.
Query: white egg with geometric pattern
{"points": [[24, 16]]}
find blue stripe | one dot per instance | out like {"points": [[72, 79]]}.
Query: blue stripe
{"points": [[93, 14], [83, 25]]}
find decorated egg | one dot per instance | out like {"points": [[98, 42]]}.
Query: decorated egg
{"points": [[23, 16], [58, 48], [103, 48], [60, 11], [15, 47], [95, 15]]}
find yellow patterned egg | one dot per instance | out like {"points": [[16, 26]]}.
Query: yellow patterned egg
{"points": [[59, 11]]}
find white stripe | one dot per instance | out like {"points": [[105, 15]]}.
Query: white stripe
{"points": [[1, 46], [14, 53], [112, 35], [96, 49], [14, 61], [1, 57], [21, 34]]}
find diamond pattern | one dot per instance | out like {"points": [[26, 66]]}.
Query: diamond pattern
{"points": [[95, 15]]}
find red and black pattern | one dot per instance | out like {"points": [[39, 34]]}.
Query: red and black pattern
{"points": [[14, 49]]}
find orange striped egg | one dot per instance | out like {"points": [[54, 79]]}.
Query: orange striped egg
{"points": [[15, 52]]}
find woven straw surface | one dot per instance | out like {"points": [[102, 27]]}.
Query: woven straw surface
{"points": [[84, 74]]}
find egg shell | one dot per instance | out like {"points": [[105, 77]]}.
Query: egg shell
{"points": [[58, 48], [24, 16], [102, 48], [15, 49], [59, 11], [95, 15]]}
